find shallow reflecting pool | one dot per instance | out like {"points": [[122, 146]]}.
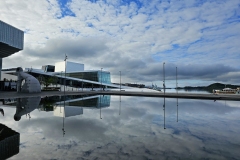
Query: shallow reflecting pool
{"points": [[113, 127]]}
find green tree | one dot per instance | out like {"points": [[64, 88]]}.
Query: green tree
{"points": [[46, 80], [54, 80]]}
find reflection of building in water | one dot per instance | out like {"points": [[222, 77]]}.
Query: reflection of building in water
{"points": [[8, 101], [9, 142], [75, 107], [91, 102], [68, 111]]}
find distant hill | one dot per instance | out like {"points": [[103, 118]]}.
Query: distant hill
{"points": [[210, 88], [221, 86]]}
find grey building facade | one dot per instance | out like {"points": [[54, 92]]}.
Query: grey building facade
{"points": [[11, 41]]}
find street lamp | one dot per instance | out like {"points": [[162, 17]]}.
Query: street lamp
{"points": [[176, 81], [101, 78], [64, 94], [61, 82], [120, 80], [65, 73], [164, 77]]}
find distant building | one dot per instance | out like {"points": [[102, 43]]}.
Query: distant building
{"points": [[135, 85]]}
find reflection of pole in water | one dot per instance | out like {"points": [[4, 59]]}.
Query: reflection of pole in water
{"points": [[164, 111], [177, 93], [60, 105], [177, 109], [63, 116], [100, 107], [64, 95], [119, 105], [164, 78]]}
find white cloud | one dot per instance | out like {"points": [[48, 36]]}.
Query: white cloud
{"points": [[175, 32]]}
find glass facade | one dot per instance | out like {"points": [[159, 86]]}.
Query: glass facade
{"points": [[104, 77], [96, 76], [98, 102], [48, 68], [0, 68]]}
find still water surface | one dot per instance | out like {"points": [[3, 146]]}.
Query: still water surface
{"points": [[113, 127]]}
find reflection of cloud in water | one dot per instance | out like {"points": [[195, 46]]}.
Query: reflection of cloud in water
{"points": [[230, 103], [82, 129], [205, 129]]}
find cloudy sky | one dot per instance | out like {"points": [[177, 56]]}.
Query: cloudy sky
{"points": [[201, 38]]}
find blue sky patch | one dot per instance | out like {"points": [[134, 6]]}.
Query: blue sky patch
{"points": [[65, 10], [128, 2]]}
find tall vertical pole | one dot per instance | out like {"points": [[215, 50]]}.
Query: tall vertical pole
{"points": [[164, 78], [61, 82], [65, 73], [101, 79], [64, 95], [164, 108], [120, 80], [0, 67], [82, 81]]}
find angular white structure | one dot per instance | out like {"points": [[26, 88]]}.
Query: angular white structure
{"points": [[31, 84]]}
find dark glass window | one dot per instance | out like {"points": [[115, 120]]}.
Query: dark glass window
{"points": [[96, 76]]}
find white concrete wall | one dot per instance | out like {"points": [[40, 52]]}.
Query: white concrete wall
{"points": [[70, 67]]}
